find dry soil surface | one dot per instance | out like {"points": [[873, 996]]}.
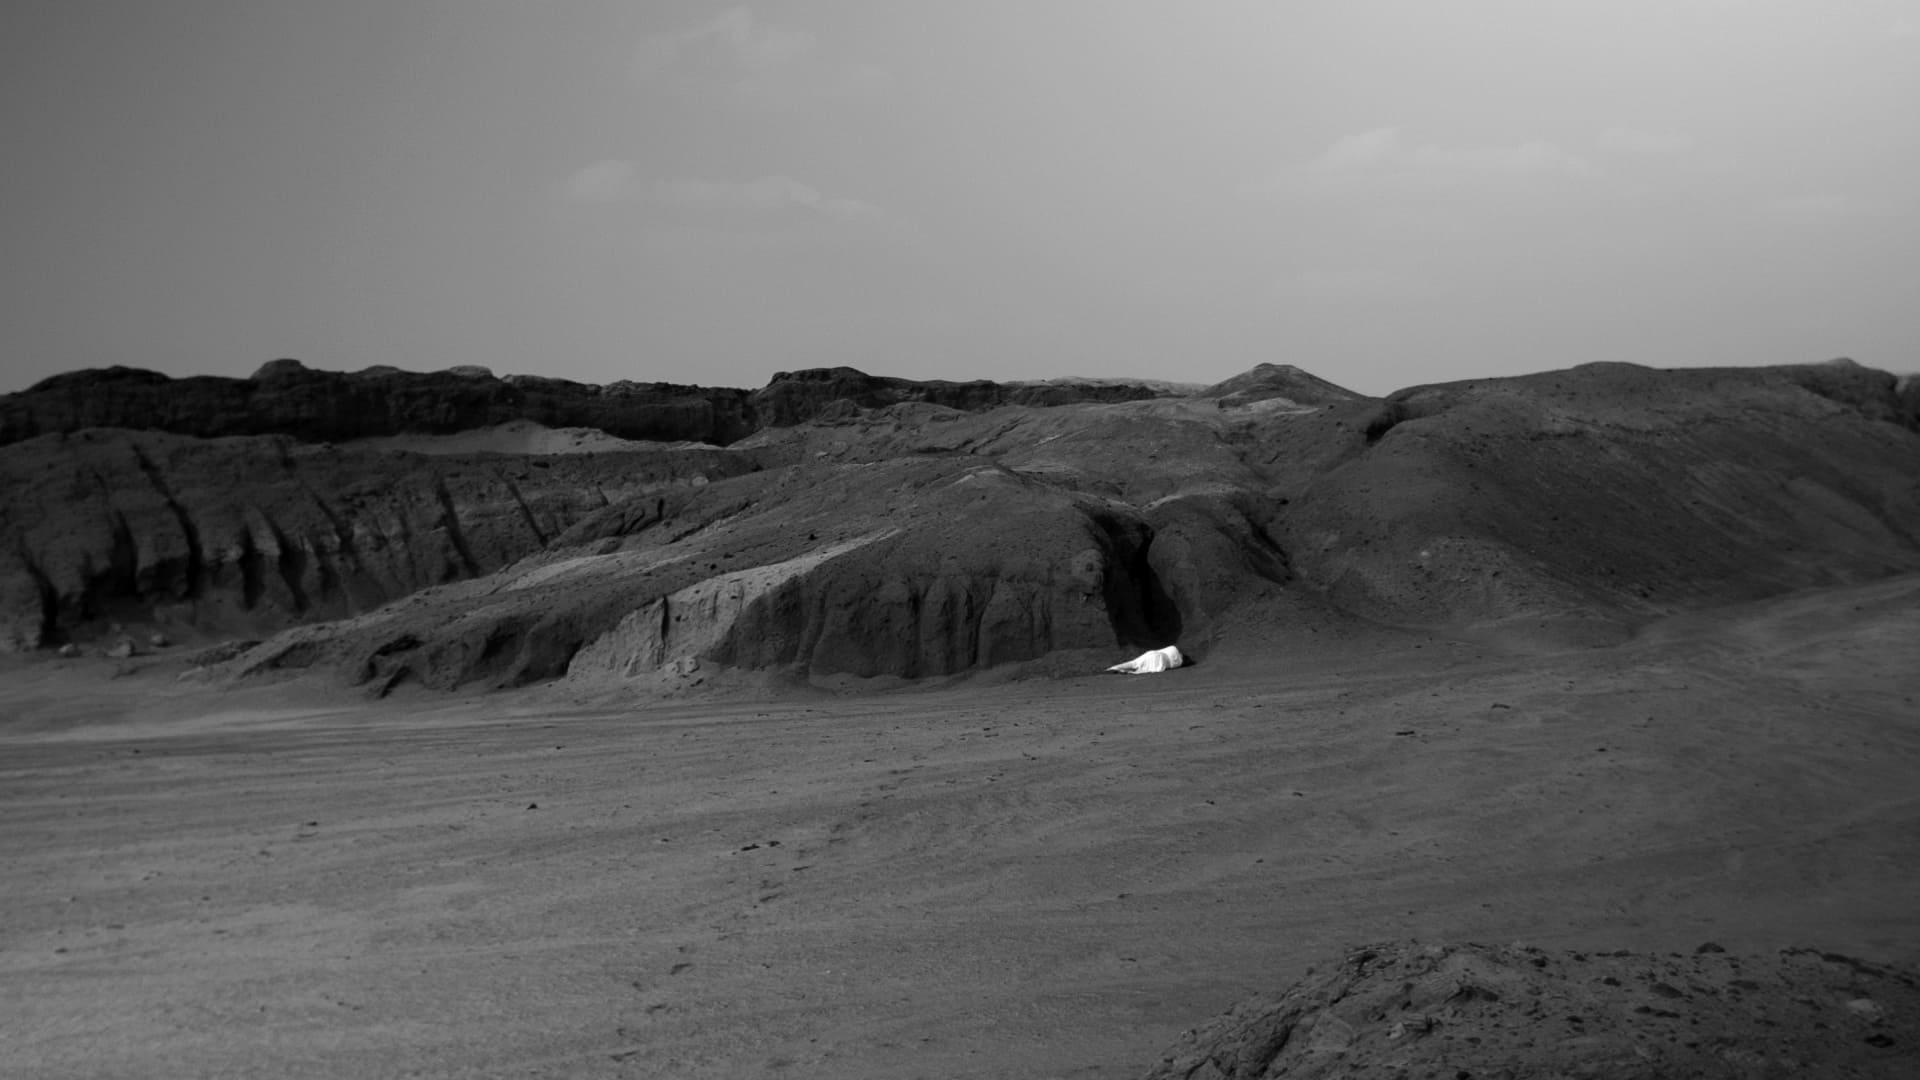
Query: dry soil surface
{"points": [[1029, 878]]}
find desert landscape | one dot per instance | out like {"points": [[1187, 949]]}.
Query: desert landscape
{"points": [[408, 724], [873, 540]]}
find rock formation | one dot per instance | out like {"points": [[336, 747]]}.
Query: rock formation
{"points": [[1454, 1010], [869, 527], [1610, 491], [1283, 383], [286, 397], [250, 535], [909, 568]]}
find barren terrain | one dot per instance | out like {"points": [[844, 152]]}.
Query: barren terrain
{"points": [[994, 876], [395, 724]]}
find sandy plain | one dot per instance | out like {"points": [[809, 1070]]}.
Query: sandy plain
{"points": [[1029, 877]]}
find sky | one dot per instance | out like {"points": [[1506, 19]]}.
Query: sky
{"points": [[1382, 192]]}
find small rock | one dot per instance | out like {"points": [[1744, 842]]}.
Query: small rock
{"points": [[121, 650], [69, 651], [1330, 1034], [158, 640], [1412, 1025]]}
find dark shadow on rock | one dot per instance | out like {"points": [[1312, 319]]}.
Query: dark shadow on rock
{"points": [[1142, 612]]}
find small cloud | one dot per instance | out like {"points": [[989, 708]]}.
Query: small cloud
{"points": [[600, 182], [613, 181], [765, 195], [1383, 155], [1809, 209], [739, 56], [735, 38], [760, 46], [1526, 159], [1365, 150], [1623, 140]]}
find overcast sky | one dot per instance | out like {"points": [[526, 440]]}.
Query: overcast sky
{"points": [[1383, 192]]}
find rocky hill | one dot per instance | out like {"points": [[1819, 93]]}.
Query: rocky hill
{"points": [[864, 526], [244, 536], [286, 397], [1612, 490]]}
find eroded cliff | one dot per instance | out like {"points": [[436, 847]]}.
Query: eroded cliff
{"points": [[248, 535], [912, 530]]}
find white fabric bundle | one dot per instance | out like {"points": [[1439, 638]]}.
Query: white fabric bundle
{"points": [[1148, 663]]}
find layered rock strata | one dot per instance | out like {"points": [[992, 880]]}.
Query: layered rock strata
{"points": [[250, 535], [286, 397], [871, 535]]}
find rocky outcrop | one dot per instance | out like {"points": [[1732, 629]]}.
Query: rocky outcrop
{"points": [[287, 398], [1906, 391], [673, 632], [883, 528], [1214, 552], [913, 568], [249, 535], [794, 397], [1407, 1009], [985, 571], [1597, 496], [1276, 382]]}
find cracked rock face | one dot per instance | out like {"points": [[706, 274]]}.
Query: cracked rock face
{"points": [[1461, 1010], [246, 536]]}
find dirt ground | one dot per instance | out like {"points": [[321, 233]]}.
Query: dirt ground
{"points": [[1034, 878]]}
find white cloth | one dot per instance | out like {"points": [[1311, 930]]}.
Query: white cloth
{"points": [[1148, 663]]}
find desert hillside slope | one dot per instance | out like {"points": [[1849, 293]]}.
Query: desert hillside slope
{"points": [[865, 527]]}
